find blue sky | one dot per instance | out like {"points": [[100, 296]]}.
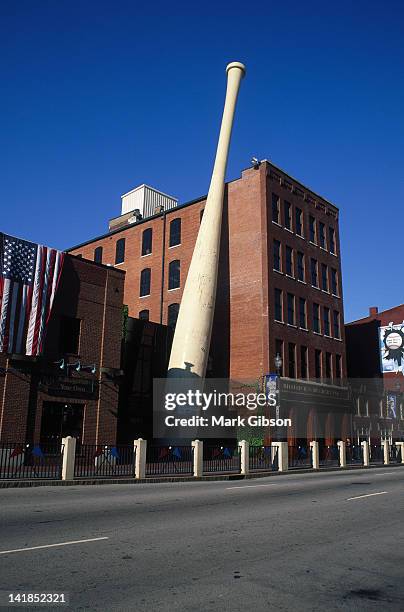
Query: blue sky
{"points": [[99, 97]]}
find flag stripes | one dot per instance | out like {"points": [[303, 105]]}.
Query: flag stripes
{"points": [[29, 276]]}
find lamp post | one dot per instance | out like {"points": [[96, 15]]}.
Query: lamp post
{"points": [[278, 367]]}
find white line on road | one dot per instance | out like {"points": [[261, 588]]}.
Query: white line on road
{"points": [[270, 484], [383, 473], [6, 552], [368, 495]]}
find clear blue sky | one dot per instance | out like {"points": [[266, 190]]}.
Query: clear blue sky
{"points": [[101, 96]]}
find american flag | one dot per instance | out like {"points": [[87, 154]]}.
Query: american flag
{"points": [[29, 276]]}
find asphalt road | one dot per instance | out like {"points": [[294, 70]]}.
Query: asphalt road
{"points": [[328, 541]]}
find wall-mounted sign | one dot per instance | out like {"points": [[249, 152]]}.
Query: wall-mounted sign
{"points": [[391, 342], [73, 387]]}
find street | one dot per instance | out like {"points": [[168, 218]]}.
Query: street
{"points": [[317, 541]]}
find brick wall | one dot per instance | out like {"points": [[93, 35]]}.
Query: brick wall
{"points": [[244, 331], [93, 294]]}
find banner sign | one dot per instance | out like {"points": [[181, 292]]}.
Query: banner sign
{"points": [[391, 343]]}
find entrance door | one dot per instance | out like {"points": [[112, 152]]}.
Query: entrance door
{"points": [[60, 420]]}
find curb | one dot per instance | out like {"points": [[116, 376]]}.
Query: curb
{"points": [[23, 484]]}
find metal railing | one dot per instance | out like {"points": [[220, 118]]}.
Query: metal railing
{"points": [[299, 456], [395, 454], [165, 460], [29, 461], [376, 453], [104, 461], [221, 459], [263, 458], [354, 454], [329, 455]]}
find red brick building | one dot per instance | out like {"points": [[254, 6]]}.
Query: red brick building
{"points": [[280, 287], [71, 389], [377, 375]]}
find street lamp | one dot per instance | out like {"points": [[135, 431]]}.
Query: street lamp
{"points": [[278, 364]]}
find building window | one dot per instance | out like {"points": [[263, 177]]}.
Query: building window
{"points": [[147, 241], [172, 315], [303, 362], [317, 363], [145, 281], [324, 277], [314, 274], [334, 281], [292, 360], [337, 331], [278, 305], [288, 215], [144, 315], [331, 239], [338, 369], [300, 266], [316, 318], [312, 229], [175, 232], [201, 215], [302, 313], [291, 309], [321, 235], [299, 222], [289, 261], [120, 251], [69, 335], [328, 372], [98, 254], [275, 208], [326, 321], [277, 255], [279, 351], [174, 274]]}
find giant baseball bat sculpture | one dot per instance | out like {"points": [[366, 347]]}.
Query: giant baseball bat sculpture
{"points": [[190, 348]]}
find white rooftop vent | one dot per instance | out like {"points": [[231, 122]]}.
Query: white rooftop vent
{"points": [[146, 200]]}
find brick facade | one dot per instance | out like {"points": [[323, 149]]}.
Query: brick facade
{"points": [[373, 418], [245, 330], [93, 294]]}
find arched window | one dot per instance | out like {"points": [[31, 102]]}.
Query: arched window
{"points": [[174, 274], [120, 251], [147, 241], [98, 254], [172, 315], [145, 278], [175, 232], [144, 315]]}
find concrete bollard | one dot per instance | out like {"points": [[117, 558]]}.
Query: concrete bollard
{"points": [[386, 452], [342, 453], [140, 448], [400, 447], [69, 457], [283, 457], [315, 456], [197, 445], [244, 456], [365, 450]]}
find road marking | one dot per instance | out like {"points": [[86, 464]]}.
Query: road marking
{"points": [[270, 484], [7, 552], [368, 495], [383, 473]]}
